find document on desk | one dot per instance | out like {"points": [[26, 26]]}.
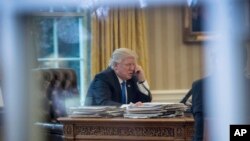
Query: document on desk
{"points": [[149, 110], [142, 115], [145, 110], [95, 111]]}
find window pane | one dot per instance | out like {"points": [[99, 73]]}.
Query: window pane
{"points": [[47, 64], [44, 35], [68, 36]]}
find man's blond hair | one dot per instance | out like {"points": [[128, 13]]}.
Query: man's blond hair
{"points": [[120, 54]]}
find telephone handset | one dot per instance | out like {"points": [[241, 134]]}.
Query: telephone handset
{"points": [[136, 75]]}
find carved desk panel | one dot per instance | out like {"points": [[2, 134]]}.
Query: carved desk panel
{"points": [[123, 129]]}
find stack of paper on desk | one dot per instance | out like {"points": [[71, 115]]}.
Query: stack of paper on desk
{"points": [[150, 110], [95, 111], [175, 108], [146, 110]]}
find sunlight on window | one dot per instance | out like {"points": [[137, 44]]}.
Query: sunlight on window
{"points": [[60, 44]]}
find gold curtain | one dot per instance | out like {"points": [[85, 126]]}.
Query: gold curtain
{"points": [[120, 28]]}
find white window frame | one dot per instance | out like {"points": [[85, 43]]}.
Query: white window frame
{"points": [[82, 49]]}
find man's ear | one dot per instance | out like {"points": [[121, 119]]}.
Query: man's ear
{"points": [[115, 66]]}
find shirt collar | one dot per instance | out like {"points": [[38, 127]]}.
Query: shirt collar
{"points": [[120, 80]]}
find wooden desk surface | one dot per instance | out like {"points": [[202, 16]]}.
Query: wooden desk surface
{"points": [[106, 129]]}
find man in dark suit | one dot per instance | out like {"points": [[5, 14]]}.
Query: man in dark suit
{"points": [[197, 108], [121, 83]]}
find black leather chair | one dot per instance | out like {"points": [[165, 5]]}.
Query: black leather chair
{"points": [[58, 91]]}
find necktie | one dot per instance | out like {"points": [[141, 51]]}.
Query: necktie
{"points": [[124, 101]]}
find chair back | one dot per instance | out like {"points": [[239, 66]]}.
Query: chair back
{"points": [[59, 91]]}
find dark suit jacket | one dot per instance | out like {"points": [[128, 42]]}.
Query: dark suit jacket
{"points": [[199, 92], [105, 89], [197, 107]]}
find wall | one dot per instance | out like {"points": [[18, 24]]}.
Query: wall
{"points": [[174, 65]]}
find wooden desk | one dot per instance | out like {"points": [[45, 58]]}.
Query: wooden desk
{"points": [[107, 129]]}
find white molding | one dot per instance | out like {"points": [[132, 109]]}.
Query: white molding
{"points": [[168, 95]]}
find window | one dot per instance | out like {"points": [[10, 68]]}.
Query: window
{"points": [[63, 42]]}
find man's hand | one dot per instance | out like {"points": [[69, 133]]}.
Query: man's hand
{"points": [[139, 73], [139, 104]]}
